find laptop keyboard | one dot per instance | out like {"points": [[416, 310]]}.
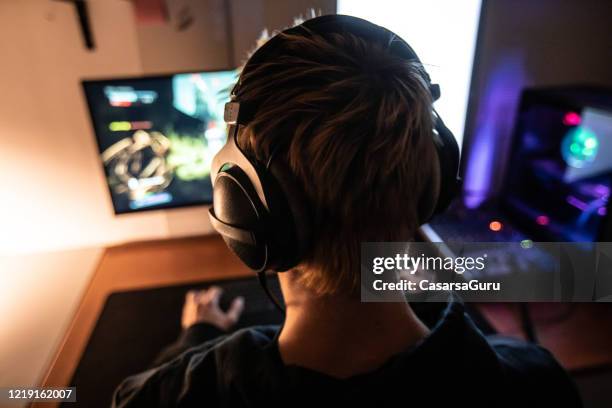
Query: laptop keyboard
{"points": [[464, 226]]}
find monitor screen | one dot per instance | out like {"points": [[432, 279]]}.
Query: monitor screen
{"points": [[443, 33], [559, 179], [157, 136]]}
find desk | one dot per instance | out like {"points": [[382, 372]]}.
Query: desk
{"points": [[582, 340], [137, 266], [39, 294]]}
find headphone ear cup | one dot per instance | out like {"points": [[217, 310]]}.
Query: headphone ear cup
{"points": [[289, 207], [448, 158], [236, 207]]}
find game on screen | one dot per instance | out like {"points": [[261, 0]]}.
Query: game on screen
{"points": [[157, 136]]}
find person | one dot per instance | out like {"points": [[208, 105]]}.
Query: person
{"points": [[352, 124]]}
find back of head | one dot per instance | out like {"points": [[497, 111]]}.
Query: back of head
{"points": [[353, 124]]}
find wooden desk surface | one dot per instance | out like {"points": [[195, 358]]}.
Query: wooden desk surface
{"points": [[39, 294], [582, 340], [134, 266]]}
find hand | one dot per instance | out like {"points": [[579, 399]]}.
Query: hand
{"points": [[202, 306]]}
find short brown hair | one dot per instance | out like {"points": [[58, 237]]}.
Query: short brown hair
{"points": [[354, 125]]}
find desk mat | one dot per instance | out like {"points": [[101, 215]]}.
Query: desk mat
{"points": [[135, 325]]}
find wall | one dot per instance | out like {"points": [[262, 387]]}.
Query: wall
{"points": [[195, 37], [53, 193], [250, 17], [204, 43]]}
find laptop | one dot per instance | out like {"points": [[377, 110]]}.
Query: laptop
{"points": [[556, 187]]}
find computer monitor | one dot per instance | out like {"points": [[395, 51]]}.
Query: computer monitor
{"points": [[157, 136], [560, 173], [443, 33]]}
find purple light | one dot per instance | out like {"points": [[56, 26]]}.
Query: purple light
{"points": [[579, 204], [492, 124], [602, 211], [479, 172], [571, 119], [602, 190]]}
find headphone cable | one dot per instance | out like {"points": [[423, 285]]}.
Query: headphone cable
{"points": [[263, 281]]}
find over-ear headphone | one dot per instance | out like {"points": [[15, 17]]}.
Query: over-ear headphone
{"points": [[257, 207]]}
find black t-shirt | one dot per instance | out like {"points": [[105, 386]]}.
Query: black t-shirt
{"points": [[455, 364]]}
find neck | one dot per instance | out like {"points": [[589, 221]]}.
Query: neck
{"points": [[341, 336]]}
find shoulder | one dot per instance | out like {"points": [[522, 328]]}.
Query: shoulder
{"points": [[534, 374], [170, 383]]}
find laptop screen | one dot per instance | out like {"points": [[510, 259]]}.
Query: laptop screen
{"points": [[559, 178]]}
